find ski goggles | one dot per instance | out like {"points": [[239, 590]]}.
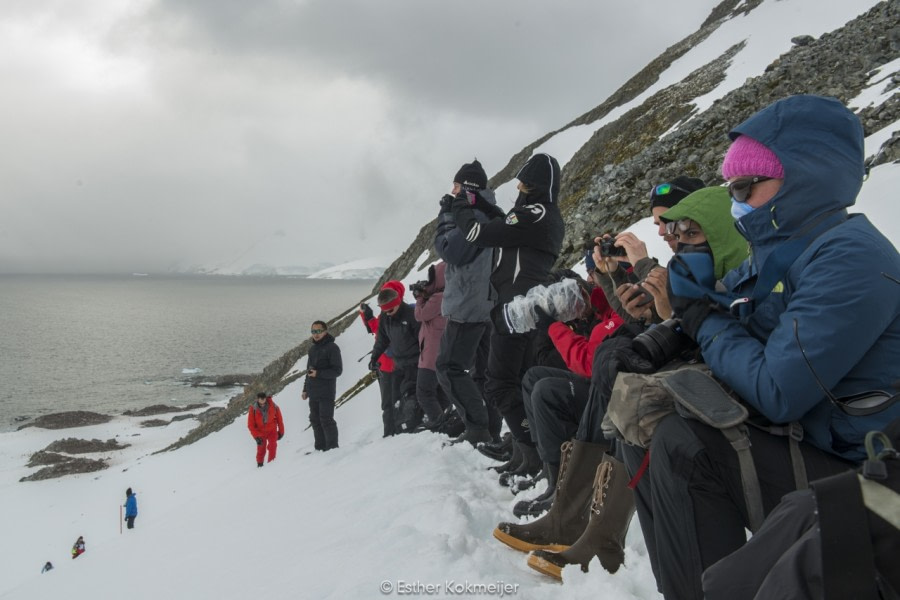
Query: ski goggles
{"points": [[664, 189], [316, 331], [740, 188]]}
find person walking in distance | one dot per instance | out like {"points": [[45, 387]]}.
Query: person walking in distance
{"points": [[266, 426], [130, 508], [323, 367]]}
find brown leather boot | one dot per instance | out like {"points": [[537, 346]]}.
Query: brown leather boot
{"points": [[604, 537], [561, 526]]}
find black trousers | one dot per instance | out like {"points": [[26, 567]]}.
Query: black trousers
{"points": [[691, 501], [429, 394], [129, 522], [508, 359], [454, 366], [390, 392], [554, 402], [321, 418]]}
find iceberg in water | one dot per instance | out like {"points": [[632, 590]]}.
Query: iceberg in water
{"points": [[190, 371]]}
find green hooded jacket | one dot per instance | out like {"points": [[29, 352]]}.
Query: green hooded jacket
{"points": [[711, 208]]}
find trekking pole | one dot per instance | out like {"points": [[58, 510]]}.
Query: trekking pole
{"points": [[120, 519], [360, 359]]}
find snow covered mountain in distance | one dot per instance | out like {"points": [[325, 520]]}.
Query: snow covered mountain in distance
{"points": [[364, 268], [276, 256]]}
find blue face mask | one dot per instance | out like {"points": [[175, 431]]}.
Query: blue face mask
{"points": [[740, 209]]}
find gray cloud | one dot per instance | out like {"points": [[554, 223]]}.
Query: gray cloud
{"points": [[177, 133]]}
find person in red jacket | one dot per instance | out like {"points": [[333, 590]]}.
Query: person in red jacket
{"points": [[266, 426], [388, 382]]}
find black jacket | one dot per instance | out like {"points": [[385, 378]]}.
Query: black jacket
{"points": [[325, 357], [400, 333], [528, 239]]}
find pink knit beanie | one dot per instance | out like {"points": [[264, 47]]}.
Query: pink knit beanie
{"points": [[748, 158]]}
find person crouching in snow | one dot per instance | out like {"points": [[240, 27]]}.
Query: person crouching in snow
{"points": [[266, 426], [78, 547], [130, 508]]}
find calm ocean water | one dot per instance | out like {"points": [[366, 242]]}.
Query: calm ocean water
{"points": [[111, 343]]}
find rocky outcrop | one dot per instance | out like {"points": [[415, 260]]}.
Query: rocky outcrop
{"points": [[77, 446], [61, 465], [160, 409], [222, 380], [66, 420]]}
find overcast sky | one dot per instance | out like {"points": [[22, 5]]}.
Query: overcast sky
{"points": [[142, 135]]}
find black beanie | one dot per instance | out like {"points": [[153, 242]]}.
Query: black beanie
{"points": [[471, 175], [681, 187]]}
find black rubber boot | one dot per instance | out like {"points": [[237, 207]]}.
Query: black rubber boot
{"points": [[501, 450], [612, 507], [526, 483], [542, 503], [568, 516], [514, 460], [528, 467]]}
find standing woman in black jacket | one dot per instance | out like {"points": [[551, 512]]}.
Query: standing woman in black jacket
{"points": [[323, 367], [526, 242]]}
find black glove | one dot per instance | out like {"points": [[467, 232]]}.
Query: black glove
{"points": [[691, 311], [280, 435], [366, 311], [542, 320], [446, 202], [373, 364], [259, 441]]}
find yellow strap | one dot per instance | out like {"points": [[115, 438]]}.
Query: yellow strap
{"points": [[881, 500]]}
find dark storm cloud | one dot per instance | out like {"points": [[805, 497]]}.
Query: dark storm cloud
{"points": [[163, 134]]}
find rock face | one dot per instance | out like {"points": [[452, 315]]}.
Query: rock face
{"points": [[64, 465], [66, 420]]}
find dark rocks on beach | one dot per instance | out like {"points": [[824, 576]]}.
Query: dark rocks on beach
{"points": [[159, 409], [77, 446], [65, 420], [154, 423]]}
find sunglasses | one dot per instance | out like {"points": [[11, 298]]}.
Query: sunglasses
{"points": [[664, 189], [740, 188], [316, 331], [682, 225]]}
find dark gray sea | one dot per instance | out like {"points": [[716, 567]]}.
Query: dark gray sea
{"points": [[112, 343]]}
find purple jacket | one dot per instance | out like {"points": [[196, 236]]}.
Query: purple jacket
{"points": [[428, 313]]}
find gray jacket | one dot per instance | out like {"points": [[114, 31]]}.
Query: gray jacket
{"points": [[468, 296]]}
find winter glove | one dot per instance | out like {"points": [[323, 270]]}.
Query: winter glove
{"points": [[259, 441], [542, 320], [280, 435], [373, 364], [366, 311], [691, 311], [446, 202]]}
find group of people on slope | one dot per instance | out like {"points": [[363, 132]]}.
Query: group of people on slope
{"points": [[697, 394]]}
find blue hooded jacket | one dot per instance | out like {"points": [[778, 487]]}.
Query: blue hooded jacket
{"points": [[847, 311]]}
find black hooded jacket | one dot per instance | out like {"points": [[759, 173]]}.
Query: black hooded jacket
{"points": [[528, 239], [325, 357]]}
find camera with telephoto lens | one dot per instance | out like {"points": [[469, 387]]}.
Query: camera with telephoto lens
{"points": [[663, 342], [608, 248], [418, 287]]}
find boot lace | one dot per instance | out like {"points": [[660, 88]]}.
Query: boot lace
{"points": [[566, 450], [601, 485]]}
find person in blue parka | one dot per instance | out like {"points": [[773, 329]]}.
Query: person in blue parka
{"points": [[817, 319], [130, 508]]}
